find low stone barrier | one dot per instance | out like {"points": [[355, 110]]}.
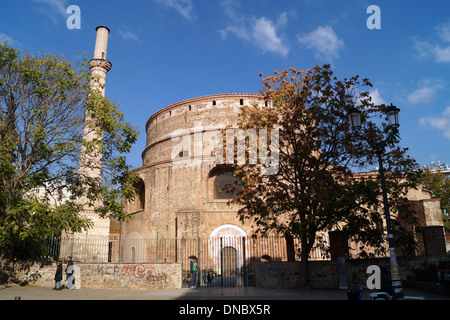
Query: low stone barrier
{"points": [[108, 276], [286, 275], [324, 274]]}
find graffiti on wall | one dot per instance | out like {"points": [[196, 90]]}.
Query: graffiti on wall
{"points": [[144, 272]]}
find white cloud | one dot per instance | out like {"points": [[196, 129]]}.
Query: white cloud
{"points": [[443, 31], [127, 35], [441, 123], [426, 92], [376, 97], [324, 41], [239, 31], [421, 95], [374, 94], [442, 54], [265, 36], [184, 7], [282, 20], [425, 49], [438, 49], [261, 32]]}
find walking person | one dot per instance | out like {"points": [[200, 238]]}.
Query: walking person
{"points": [[68, 271], [210, 278], [193, 272], [58, 276]]}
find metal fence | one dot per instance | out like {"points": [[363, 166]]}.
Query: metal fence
{"points": [[229, 260], [88, 250], [265, 249]]}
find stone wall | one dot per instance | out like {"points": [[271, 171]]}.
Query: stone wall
{"points": [[107, 276], [279, 275], [285, 275], [323, 274]]}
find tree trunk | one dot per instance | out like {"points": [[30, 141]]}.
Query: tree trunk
{"points": [[304, 265], [304, 272], [290, 249]]}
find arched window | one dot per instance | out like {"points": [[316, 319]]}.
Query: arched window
{"points": [[138, 204], [133, 254], [141, 193], [223, 184]]}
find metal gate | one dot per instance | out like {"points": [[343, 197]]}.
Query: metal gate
{"points": [[224, 262], [231, 260]]}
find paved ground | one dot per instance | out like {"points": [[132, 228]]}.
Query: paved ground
{"points": [[201, 303], [39, 293]]}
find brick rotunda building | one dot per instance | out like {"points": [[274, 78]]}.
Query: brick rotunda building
{"points": [[182, 211], [180, 192], [183, 176]]}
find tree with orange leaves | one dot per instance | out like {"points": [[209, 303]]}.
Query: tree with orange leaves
{"points": [[315, 189]]}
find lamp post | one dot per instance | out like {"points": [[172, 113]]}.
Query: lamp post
{"points": [[393, 120]]}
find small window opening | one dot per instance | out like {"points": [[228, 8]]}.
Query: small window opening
{"points": [[183, 154]]}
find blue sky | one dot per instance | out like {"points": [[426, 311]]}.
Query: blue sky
{"points": [[164, 51]]}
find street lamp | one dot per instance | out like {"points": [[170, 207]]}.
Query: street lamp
{"points": [[393, 119], [392, 115], [355, 119]]}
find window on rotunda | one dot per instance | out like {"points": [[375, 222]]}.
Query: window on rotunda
{"points": [[138, 204], [223, 184], [183, 154]]}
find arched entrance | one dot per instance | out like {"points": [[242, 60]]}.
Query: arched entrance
{"points": [[228, 230], [228, 248]]}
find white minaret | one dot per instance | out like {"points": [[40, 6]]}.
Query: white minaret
{"points": [[91, 164], [92, 245], [99, 66]]}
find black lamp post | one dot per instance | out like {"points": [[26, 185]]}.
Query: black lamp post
{"points": [[393, 120]]}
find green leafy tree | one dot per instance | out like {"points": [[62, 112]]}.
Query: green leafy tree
{"points": [[316, 189], [43, 104]]}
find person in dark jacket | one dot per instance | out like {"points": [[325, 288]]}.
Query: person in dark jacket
{"points": [[68, 272], [210, 278], [193, 267], [58, 276]]}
